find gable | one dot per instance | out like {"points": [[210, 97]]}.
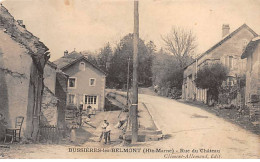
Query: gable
{"points": [[74, 68], [232, 44]]}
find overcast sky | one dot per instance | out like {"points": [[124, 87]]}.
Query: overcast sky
{"points": [[89, 24]]}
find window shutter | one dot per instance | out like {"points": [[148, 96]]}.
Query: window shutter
{"points": [[226, 61]]}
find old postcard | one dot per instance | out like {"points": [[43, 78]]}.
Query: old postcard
{"points": [[129, 79]]}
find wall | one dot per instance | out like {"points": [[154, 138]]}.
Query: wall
{"points": [[231, 47], [49, 112], [49, 76], [15, 66], [82, 83], [253, 76], [61, 93]]}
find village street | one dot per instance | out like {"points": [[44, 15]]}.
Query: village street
{"points": [[184, 127], [190, 127]]}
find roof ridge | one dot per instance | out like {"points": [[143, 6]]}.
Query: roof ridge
{"points": [[73, 61], [223, 40], [19, 33]]}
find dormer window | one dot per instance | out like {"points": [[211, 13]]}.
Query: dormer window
{"points": [[82, 66]]}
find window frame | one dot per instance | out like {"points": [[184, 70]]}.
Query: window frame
{"points": [[94, 82], [81, 65], [74, 99], [230, 62], [75, 83], [93, 97]]}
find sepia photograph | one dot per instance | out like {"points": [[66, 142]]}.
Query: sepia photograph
{"points": [[129, 79]]}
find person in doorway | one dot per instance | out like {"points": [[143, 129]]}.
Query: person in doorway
{"points": [[103, 127], [107, 133]]}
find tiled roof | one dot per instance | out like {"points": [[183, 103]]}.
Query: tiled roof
{"points": [[68, 59], [72, 58]]}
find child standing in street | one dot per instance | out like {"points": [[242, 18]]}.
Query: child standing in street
{"points": [[107, 133], [104, 126]]}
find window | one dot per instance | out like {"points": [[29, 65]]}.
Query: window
{"points": [[244, 44], [230, 81], [90, 99], [72, 83], [71, 99], [82, 66], [230, 62], [92, 81]]}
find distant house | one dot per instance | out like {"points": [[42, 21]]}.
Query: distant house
{"points": [[227, 52], [86, 81], [252, 94], [54, 96], [22, 60]]}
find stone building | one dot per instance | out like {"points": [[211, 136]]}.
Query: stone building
{"points": [[228, 52], [53, 100], [252, 93], [86, 81], [22, 60]]}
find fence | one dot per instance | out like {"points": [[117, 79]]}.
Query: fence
{"points": [[51, 134]]}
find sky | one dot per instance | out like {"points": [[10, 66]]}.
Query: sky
{"points": [[87, 25]]}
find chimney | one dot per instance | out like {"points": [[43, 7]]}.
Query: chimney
{"points": [[20, 22], [225, 30], [66, 53]]}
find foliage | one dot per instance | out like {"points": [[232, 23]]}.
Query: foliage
{"points": [[211, 77], [180, 43], [117, 72], [168, 64], [242, 81], [166, 71], [104, 57], [91, 56]]}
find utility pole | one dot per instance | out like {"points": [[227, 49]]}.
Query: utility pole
{"points": [[134, 106], [127, 82]]}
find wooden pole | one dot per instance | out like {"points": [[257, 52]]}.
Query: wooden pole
{"points": [[127, 82], [135, 75]]}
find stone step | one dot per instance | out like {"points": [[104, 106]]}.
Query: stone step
{"points": [[145, 135], [147, 132]]}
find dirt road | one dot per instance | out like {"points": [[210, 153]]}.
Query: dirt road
{"points": [[189, 131], [190, 128]]}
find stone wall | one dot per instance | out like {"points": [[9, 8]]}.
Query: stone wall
{"points": [[49, 113], [61, 94]]}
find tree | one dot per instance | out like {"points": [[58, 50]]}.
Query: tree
{"points": [[180, 43], [91, 57], [117, 73], [104, 57], [211, 77], [167, 73]]}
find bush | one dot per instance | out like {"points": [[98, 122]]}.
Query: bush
{"points": [[211, 77]]}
